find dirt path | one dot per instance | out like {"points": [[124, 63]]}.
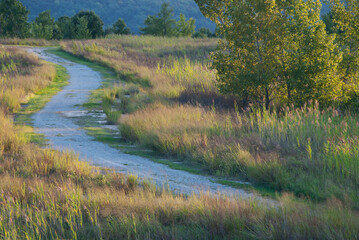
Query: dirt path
{"points": [[64, 134]]}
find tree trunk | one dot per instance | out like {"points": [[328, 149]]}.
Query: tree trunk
{"points": [[245, 100], [267, 98], [289, 93]]}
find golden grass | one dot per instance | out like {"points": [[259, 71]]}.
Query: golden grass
{"points": [[292, 151], [52, 195], [28, 42], [21, 74]]}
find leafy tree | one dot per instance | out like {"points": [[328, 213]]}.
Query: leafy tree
{"points": [[273, 48], [56, 33], [203, 33], [162, 24], [246, 60], [43, 26], [94, 23], [13, 19], [185, 28], [311, 57], [345, 17], [329, 23], [120, 28], [65, 28], [82, 31]]}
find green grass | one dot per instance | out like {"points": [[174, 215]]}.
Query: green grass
{"points": [[38, 101], [43, 96], [263, 191], [104, 135], [107, 75]]}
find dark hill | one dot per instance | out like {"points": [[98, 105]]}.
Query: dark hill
{"points": [[134, 12]]}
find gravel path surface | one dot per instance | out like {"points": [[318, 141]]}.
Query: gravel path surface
{"points": [[55, 122]]}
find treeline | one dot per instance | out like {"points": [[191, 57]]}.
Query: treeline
{"points": [[87, 25], [282, 52], [133, 12]]}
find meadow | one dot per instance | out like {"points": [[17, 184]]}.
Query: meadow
{"points": [[171, 104], [50, 194]]}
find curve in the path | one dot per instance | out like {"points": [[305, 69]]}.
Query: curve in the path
{"points": [[64, 134]]}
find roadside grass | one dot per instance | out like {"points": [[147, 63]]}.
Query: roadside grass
{"points": [[262, 191], [31, 76], [39, 99], [26, 81], [106, 74], [115, 140], [29, 42], [104, 135], [36, 102]]}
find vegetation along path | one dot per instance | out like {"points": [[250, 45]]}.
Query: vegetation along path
{"points": [[56, 122]]}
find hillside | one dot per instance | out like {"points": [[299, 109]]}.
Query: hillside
{"points": [[133, 12]]}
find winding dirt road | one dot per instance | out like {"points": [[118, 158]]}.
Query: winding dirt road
{"points": [[64, 134]]}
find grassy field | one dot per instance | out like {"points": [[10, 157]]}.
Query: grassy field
{"points": [[49, 194], [28, 42], [171, 104]]}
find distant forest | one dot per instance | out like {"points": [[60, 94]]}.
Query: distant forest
{"points": [[134, 12]]}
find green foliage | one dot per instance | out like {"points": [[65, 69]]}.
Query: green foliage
{"points": [[345, 18], [203, 33], [65, 28], [43, 26], [164, 25], [329, 23], [133, 13], [83, 25], [185, 28], [81, 29], [161, 24], [119, 28], [94, 24], [274, 50], [13, 19]]}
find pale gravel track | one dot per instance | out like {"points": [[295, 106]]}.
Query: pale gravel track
{"points": [[64, 134]]}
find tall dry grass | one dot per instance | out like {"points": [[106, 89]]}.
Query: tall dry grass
{"points": [[21, 74], [308, 151], [46, 194], [28, 42]]}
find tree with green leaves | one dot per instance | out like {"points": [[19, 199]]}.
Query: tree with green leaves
{"points": [[57, 33], [82, 31], [311, 57], [94, 23], [346, 20], [329, 23], [43, 26], [185, 28], [246, 59], [273, 49], [120, 28], [203, 33], [161, 24], [13, 19], [65, 28]]}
